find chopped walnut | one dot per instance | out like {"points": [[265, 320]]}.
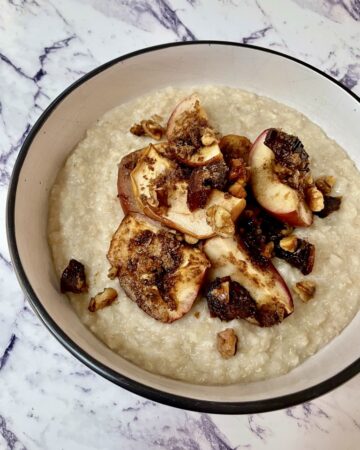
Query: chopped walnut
{"points": [[102, 299], [268, 251], [190, 239], [208, 137], [237, 189], [305, 290], [73, 278], [315, 199], [149, 128], [227, 343], [220, 220], [289, 243], [325, 184], [112, 273]]}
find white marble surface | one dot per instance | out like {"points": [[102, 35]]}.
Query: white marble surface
{"points": [[48, 400]]}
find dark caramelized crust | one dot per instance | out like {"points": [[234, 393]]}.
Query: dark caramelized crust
{"points": [[203, 180], [302, 258], [125, 192], [291, 159], [228, 300], [331, 204], [73, 278]]}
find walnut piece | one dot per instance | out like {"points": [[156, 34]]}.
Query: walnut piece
{"points": [[227, 343], [305, 290], [325, 184], [73, 279], [268, 251], [102, 299], [237, 189], [289, 243], [315, 199], [149, 128], [208, 137], [190, 239], [220, 220]]}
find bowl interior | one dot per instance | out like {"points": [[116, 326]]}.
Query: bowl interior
{"points": [[284, 80]]}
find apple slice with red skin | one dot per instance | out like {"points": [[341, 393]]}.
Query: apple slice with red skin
{"points": [[160, 274], [127, 164], [189, 114], [279, 199], [152, 166], [186, 105], [229, 258]]}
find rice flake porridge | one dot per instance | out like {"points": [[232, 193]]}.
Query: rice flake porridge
{"points": [[85, 212]]}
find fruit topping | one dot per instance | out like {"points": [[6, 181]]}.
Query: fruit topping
{"points": [[228, 300], [73, 278], [158, 272], [280, 175], [230, 258], [331, 204]]}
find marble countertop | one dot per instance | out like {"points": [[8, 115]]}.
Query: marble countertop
{"points": [[49, 400]]}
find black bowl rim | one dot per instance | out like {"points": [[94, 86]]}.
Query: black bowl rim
{"points": [[216, 407]]}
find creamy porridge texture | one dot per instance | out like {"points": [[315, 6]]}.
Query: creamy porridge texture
{"points": [[85, 212]]}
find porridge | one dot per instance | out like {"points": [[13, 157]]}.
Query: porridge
{"points": [[85, 213]]}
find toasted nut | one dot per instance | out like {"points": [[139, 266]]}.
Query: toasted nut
{"points": [[209, 137], [237, 189], [268, 250], [153, 129], [227, 343], [220, 220], [325, 184], [305, 290], [112, 273], [287, 230], [149, 128], [102, 299], [289, 243], [315, 199], [197, 314], [190, 239]]}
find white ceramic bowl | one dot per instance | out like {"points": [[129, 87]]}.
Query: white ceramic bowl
{"points": [[63, 125]]}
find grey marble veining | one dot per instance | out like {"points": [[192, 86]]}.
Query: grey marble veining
{"points": [[48, 400]]}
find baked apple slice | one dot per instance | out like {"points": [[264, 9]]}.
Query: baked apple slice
{"points": [[189, 109], [162, 275], [163, 197], [191, 139], [259, 295], [272, 155], [127, 164]]}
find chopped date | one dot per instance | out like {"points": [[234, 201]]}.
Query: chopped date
{"points": [[73, 278], [202, 181], [331, 204], [228, 300], [302, 258]]}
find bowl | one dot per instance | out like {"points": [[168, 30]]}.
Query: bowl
{"points": [[62, 126]]}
